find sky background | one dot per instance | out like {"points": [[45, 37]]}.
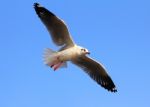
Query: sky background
{"points": [[116, 32]]}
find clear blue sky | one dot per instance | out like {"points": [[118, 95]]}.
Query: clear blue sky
{"points": [[117, 33]]}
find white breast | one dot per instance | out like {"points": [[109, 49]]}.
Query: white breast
{"points": [[68, 54]]}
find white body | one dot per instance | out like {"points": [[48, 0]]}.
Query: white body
{"points": [[69, 53], [51, 57]]}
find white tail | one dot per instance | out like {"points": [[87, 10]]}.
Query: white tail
{"points": [[50, 58]]}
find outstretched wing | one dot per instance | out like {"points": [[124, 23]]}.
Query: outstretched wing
{"points": [[56, 27], [96, 71]]}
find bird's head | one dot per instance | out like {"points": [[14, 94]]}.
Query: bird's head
{"points": [[83, 51]]}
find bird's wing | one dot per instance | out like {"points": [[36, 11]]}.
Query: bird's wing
{"points": [[56, 27], [96, 71]]}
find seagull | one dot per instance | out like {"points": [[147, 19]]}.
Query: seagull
{"points": [[69, 51]]}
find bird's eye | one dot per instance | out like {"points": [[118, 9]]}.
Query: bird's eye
{"points": [[82, 49]]}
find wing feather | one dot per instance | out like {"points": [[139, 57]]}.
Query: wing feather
{"points": [[55, 26], [96, 71]]}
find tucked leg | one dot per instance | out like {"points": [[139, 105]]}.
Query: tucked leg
{"points": [[56, 66]]}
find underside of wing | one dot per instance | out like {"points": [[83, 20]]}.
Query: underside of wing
{"points": [[56, 27], [96, 71]]}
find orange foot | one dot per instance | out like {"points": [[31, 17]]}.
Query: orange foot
{"points": [[56, 66]]}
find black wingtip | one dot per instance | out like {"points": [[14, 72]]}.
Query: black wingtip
{"points": [[108, 84], [113, 90], [110, 89], [40, 10], [36, 5]]}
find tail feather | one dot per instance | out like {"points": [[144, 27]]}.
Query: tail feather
{"points": [[50, 58], [48, 52]]}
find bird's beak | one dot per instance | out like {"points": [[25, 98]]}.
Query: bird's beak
{"points": [[88, 53]]}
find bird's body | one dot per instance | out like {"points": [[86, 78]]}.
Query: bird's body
{"points": [[67, 54], [70, 51]]}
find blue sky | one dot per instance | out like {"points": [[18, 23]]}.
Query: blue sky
{"points": [[117, 33]]}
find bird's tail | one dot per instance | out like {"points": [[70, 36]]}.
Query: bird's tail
{"points": [[50, 58]]}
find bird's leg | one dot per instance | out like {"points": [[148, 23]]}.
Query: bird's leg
{"points": [[55, 62], [56, 66], [52, 65]]}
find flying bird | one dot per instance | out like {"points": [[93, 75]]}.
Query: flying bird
{"points": [[70, 51]]}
